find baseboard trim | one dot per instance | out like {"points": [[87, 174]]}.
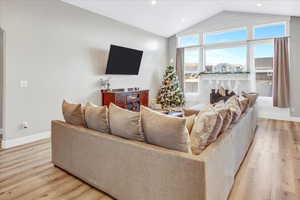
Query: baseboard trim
{"points": [[24, 140], [278, 117]]}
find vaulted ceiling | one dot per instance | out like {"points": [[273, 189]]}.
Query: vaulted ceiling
{"points": [[167, 17]]}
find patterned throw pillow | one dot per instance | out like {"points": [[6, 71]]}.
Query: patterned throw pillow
{"points": [[203, 128], [226, 114], [96, 117], [252, 96], [190, 112], [190, 122], [244, 103], [73, 113], [234, 107]]}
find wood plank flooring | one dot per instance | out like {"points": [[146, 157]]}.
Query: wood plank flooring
{"points": [[271, 170]]}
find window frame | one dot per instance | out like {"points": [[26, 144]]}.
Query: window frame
{"points": [[266, 25], [188, 35], [224, 31]]}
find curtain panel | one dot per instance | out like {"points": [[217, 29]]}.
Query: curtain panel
{"points": [[180, 66], [281, 88]]}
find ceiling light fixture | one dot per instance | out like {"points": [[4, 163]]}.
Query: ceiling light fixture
{"points": [[153, 2], [259, 4], [182, 20]]}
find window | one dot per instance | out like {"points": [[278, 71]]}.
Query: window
{"points": [[230, 36], [188, 41], [237, 50], [226, 60], [191, 68], [271, 31], [263, 61], [191, 60]]}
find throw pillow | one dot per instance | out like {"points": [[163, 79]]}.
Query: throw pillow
{"points": [[125, 123], [244, 103], [165, 131], [190, 122], [73, 113], [252, 96], [226, 114], [96, 117], [234, 107], [203, 128], [190, 112]]}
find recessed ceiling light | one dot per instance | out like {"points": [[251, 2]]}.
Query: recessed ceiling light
{"points": [[259, 4], [182, 20], [153, 2]]}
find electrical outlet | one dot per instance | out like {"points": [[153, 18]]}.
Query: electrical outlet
{"points": [[25, 125], [23, 83]]}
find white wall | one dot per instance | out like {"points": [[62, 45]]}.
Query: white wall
{"points": [[62, 51], [229, 20]]}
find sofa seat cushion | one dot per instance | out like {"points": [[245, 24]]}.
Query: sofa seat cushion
{"points": [[96, 117], [125, 123], [165, 131], [73, 113]]}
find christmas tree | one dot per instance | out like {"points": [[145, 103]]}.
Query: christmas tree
{"points": [[170, 94]]}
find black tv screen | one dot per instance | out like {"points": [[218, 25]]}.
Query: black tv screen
{"points": [[123, 60]]}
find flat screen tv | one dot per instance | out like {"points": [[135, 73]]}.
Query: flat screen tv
{"points": [[123, 60]]}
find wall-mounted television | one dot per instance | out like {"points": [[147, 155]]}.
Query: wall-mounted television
{"points": [[122, 60]]}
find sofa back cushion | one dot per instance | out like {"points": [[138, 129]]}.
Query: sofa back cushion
{"points": [[125, 123], [96, 117], [73, 113], [165, 131]]}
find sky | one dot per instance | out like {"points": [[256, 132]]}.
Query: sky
{"points": [[235, 55]]}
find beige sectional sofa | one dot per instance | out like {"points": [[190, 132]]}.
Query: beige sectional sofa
{"points": [[132, 170]]}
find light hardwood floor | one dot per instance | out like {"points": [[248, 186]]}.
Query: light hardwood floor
{"points": [[271, 170]]}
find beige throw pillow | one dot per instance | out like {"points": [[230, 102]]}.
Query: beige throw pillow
{"points": [[190, 112], [190, 122], [203, 128], [219, 123], [125, 123], [252, 96], [165, 131], [226, 114], [244, 103], [73, 113], [234, 107], [96, 117]]}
